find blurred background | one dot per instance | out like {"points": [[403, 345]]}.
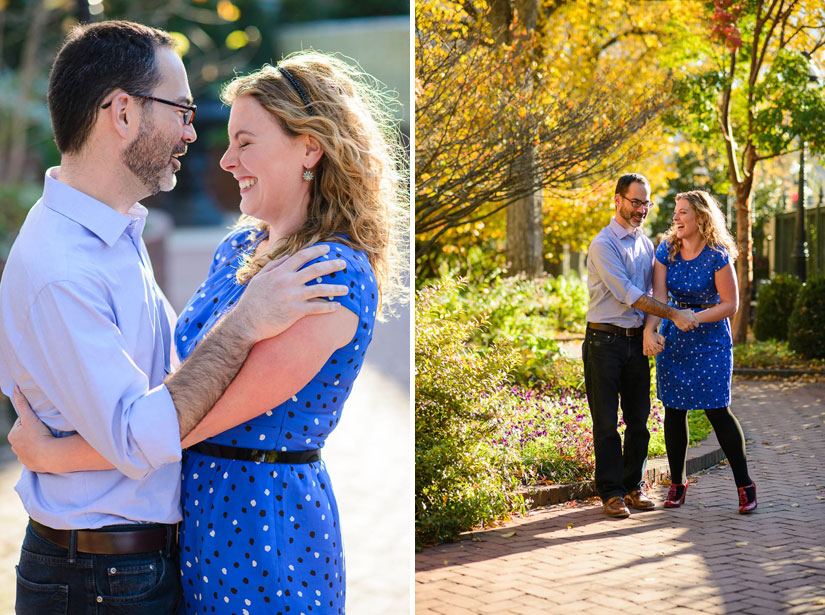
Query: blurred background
{"points": [[218, 39]]}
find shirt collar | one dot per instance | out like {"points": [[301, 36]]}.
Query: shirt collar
{"points": [[621, 232], [90, 213]]}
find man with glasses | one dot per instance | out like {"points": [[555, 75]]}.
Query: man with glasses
{"points": [[85, 331], [619, 280]]}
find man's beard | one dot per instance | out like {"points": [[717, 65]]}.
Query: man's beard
{"points": [[149, 158]]}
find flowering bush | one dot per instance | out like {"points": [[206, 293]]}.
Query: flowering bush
{"points": [[461, 481], [527, 314]]}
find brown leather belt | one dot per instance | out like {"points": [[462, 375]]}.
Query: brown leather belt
{"points": [[600, 326], [134, 540]]}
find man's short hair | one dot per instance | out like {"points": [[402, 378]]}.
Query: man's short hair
{"points": [[625, 180], [94, 60]]}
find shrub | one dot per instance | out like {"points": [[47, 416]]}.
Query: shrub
{"points": [[806, 333], [526, 314], [774, 304], [460, 480]]}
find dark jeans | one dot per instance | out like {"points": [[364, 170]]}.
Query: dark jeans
{"points": [[615, 367], [137, 584]]}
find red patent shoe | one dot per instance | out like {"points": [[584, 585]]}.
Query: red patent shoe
{"points": [[676, 495], [747, 499]]}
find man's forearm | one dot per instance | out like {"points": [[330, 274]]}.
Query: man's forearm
{"points": [[649, 305], [206, 373]]}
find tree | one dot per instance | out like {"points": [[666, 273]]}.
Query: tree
{"points": [[499, 118], [750, 96]]}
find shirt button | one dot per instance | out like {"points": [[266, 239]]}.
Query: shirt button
{"points": [[99, 599], [112, 570]]}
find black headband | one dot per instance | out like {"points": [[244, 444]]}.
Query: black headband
{"points": [[298, 89]]}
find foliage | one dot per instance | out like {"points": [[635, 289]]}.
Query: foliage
{"points": [[460, 481], [771, 354], [551, 435], [489, 96], [806, 335], [15, 201], [745, 90], [774, 304], [526, 314]]}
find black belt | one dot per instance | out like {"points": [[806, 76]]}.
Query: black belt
{"points": [[694, 306], [254, 454], [600, 326], [110, 541]]}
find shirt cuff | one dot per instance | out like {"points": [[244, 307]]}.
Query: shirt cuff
{"points": [[632, 295], [158, 435]]}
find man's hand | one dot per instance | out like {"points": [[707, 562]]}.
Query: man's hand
{"points": [[685, 319], [29, 435], [653, 343], [278, 295]]}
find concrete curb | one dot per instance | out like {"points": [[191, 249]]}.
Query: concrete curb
{"points": [[701, 457]]}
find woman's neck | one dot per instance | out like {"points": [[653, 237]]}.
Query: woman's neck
{"points": [[692, 245]]}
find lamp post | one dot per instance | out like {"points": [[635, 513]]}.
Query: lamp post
{"points": [[800, 251]]}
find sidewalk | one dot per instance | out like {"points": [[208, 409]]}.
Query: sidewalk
{"points": [[703, 558]]}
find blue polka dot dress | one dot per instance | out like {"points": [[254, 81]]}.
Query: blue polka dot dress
{"points": [[695, 368], [261, 537]]}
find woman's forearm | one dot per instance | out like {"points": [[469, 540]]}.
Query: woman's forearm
{"points": [[718, 312], [72, 454]]}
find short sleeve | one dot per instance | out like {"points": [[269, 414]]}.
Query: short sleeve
{"points": [[720, 258], [227, 247], [661, 253], [358, 276]]}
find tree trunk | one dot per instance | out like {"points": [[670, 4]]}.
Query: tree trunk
{"points": [[525, 229], [744, 264], [525, 236], [18, 139]]}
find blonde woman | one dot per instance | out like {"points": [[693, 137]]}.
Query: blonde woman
{"points": [[694, 270], [316, 158]]}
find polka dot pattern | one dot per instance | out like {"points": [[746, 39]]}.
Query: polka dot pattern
{"points": [[694, 370], [257, 537]]}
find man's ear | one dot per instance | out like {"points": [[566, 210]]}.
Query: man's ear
{"points": [[123, 113]]}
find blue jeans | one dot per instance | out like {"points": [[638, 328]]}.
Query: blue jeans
{"points": [[615, 367], [135, 584]]}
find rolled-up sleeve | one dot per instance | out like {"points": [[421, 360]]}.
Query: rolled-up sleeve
{"points": [[607, 264], [88, 383]]}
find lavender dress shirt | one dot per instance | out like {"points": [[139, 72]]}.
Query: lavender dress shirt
{"points": [[86, 334]]}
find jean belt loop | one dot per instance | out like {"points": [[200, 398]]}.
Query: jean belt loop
{"points": [[72, 556], [170, 537]]}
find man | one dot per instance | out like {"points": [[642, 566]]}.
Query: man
{"points": [[85, 333], [619, 280]]}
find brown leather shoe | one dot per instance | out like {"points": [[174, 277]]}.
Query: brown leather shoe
{"points": [[638, 500], [614, 507]]}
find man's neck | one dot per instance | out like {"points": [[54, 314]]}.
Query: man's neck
{"points": [[625, 224], [100, 181]]}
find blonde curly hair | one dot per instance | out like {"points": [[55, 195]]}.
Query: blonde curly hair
{"points": [[359, 194], [711, 223]]}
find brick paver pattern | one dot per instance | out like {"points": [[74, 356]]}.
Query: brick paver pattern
{"points": [[703, 558]]}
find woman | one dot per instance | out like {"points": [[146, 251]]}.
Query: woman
{"points": [[315, 157], [694, 270]]}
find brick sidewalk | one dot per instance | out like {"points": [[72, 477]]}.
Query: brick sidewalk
{"points": [[704, 558]]}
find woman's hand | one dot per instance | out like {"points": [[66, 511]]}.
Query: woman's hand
{"points": [[653, 343], [29, 437]]}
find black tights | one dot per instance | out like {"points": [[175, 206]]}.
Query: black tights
{"points": [[728, 432]]}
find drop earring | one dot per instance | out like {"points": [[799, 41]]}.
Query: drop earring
{"points": [[308, 175]]}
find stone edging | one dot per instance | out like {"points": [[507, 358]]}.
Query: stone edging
{"points": [[781, 372], [702, 457]]}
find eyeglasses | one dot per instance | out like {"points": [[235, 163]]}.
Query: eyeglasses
{"points": [[637, 204], [188, 110]]}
